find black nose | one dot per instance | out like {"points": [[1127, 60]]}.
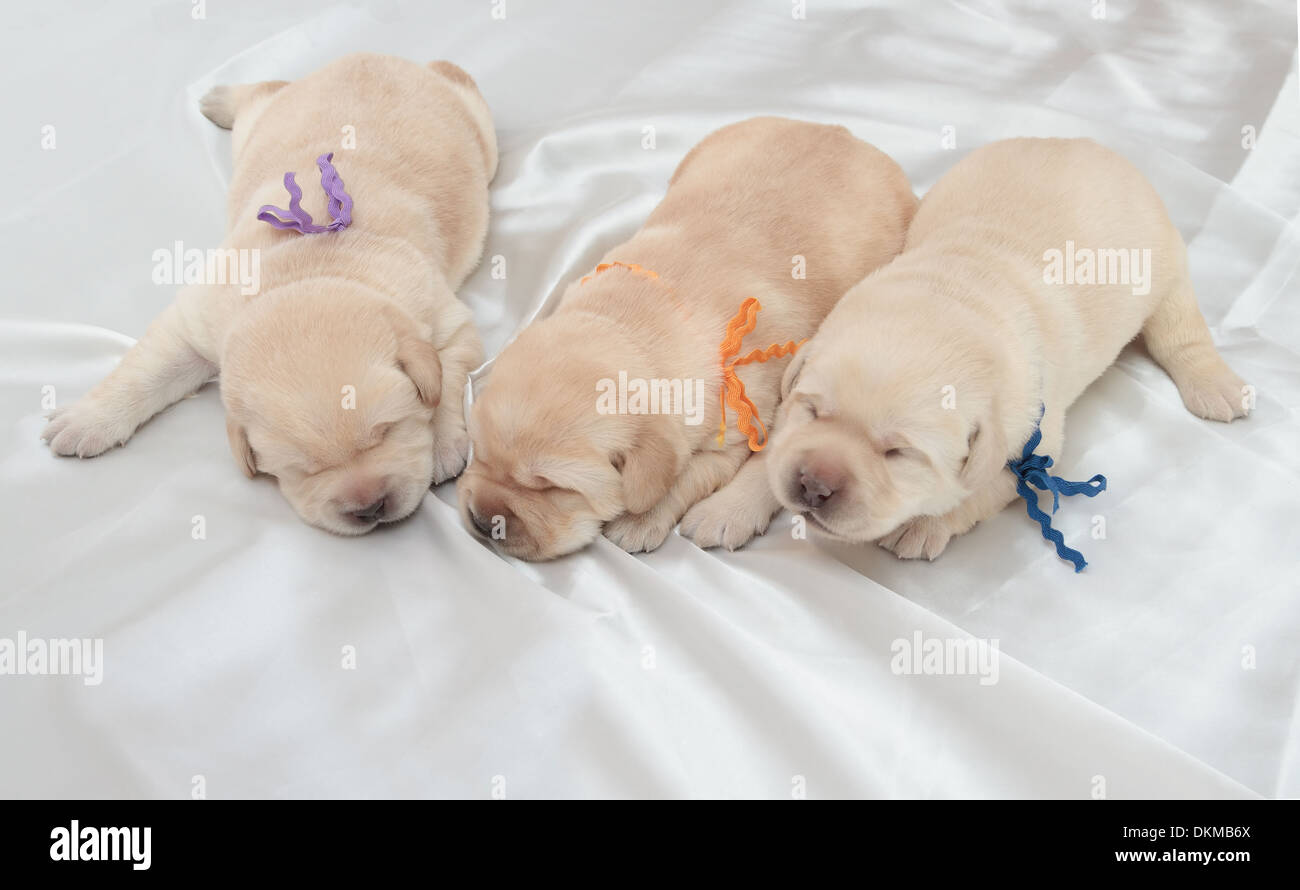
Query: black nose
{"points": [[371, 513], [815, 491], [483, 525]]}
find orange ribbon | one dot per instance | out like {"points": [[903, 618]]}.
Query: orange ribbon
{"points": [[733, 389], [631, 267]]}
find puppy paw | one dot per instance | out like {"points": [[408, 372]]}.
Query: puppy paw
{"points": [[1213, 392], [725, 520], [450, 452], [921, 536], [85, 429], [640, 532], [218, 106]]}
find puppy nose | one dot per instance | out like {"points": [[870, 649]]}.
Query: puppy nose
{"points": [[816, 489], [483, 524], [371, 513]]}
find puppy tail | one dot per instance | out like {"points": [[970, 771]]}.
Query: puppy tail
{"points": [[222, 104]]}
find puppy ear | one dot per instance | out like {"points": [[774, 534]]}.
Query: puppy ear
{"points": [[648, 468], [987, 453], [582, 472], [417, 358], [791, 376], [239, 446]]}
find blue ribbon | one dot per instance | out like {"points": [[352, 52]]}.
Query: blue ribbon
{"points": [[1031, 469]]}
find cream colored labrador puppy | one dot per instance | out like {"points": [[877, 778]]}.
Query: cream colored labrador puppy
{"points": [[790, 213], [343, 376], [1027, 269]]}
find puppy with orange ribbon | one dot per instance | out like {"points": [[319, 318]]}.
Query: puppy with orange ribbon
{"points": [[765, 225]]}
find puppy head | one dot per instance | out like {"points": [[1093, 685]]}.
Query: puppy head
{"points": [[549, 468], [332, 392], [868, 435]]}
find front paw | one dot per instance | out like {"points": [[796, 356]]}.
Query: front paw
{"points": [[85, 429], [921, 536], [450, 451], [640, 532], [725, 520]]}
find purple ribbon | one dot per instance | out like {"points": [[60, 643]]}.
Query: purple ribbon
{"points": [[340, 204]]}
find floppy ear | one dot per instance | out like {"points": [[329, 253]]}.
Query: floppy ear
{"points": [[791, 376], [987, 449], [648, 468], [417, 358], [239, 446]]}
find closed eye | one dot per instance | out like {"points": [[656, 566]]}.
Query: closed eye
{"points": [[535, 483], [544, 486]]}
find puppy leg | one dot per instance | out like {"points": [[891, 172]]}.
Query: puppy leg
{"points": [[703, 474], [160, 369], [735, 513], [222, 104], [239, 104], [462, 353], [928, 536], [1178, 338]]}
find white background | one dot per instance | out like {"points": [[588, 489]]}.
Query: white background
{"points": [[681, 673]]}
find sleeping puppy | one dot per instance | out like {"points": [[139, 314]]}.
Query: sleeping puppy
{"points": [[343, 376], [788, 212], [900, 416]]}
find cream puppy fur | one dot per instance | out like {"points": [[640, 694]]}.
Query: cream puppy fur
{"points": [[901, 414], [343, 377], [550, 470]]}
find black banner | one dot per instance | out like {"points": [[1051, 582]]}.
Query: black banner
{"points": [[336, 839]]}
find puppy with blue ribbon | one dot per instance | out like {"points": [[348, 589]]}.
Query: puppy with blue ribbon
{"points": [[935, 392]]}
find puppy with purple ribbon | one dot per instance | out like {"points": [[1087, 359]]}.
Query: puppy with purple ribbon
{"points": [[343, 374]]}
